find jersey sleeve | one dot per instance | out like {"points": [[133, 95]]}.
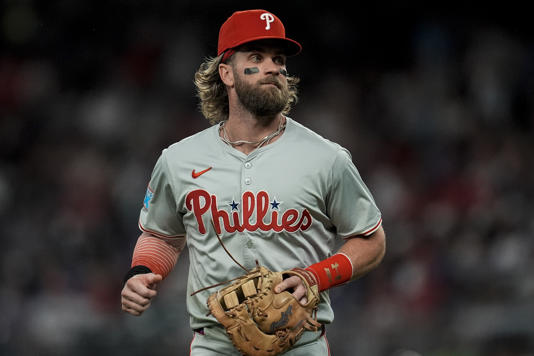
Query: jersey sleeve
{"points": [[350, 205], [159, 215]]}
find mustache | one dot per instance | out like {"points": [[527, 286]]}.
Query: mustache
{"points": [[273, 81]]}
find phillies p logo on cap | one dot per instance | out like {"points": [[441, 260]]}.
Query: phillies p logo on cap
{"points": [[267, 17], [253, 25]]}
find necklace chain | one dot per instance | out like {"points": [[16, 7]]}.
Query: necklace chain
{"points": [[257, 144]]}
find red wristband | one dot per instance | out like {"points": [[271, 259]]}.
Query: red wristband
{"points": [[331, 272]]}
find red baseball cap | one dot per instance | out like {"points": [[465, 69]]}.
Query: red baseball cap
{"points": [[252, 25]]}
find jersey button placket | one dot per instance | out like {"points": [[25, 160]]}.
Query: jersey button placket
{"points": [[248, 179], [249, 253]]}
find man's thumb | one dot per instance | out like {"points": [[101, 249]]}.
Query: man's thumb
{"points": [[153, 278]]}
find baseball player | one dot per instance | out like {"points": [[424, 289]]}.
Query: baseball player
{"points": [[273, 190]]}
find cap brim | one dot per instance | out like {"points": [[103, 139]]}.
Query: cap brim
{"points": [[290, 47]]}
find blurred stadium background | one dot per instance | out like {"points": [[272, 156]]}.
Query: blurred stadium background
{"points": [[435, 103]]}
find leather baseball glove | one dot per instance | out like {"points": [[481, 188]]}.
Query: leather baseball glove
{"points": [[259, 321]]}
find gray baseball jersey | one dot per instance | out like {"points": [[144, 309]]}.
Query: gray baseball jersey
{"points": [[287, 204]]}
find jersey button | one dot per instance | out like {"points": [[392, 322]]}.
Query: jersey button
{"points": [[247, 181], [248, 165]]}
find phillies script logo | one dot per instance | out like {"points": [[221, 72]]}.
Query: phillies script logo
{"points": [[265, 211]]}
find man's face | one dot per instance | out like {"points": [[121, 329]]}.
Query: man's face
{"points": [[264, 93]]}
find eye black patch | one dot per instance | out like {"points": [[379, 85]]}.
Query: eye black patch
{"points": [[252, 70]]}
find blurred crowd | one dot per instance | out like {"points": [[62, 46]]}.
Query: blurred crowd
{"points": [[438, 114]]}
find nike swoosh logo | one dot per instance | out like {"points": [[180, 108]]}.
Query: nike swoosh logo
{"points": [[198, 174]]}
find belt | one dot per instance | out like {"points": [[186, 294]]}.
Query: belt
{"points": [[199, 331]]}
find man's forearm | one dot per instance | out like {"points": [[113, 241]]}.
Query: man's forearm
{"points": [[157, 254], [365, 252], [359, 255]]}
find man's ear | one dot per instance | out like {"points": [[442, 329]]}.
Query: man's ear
{"points": [[226, 74]]}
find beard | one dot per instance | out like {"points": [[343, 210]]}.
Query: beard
{"points": [[262, 100]]}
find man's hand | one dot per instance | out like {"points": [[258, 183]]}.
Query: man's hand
{"points": [[295, 286], [138, 292]]}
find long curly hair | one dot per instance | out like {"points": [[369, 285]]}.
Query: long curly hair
{"points": [[213, 95]]}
